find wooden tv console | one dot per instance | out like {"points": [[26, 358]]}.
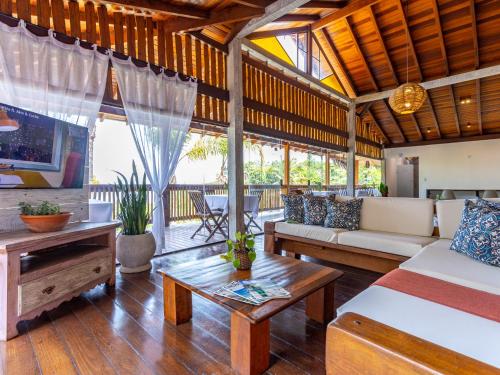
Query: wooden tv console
{"points": [[39, 271]]}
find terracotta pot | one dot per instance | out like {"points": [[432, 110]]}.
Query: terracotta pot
{"points": [[245, 262], [135, 252], [46, 223]]}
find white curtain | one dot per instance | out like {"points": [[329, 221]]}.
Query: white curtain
{"points": [[159, 111], [46, 76]]}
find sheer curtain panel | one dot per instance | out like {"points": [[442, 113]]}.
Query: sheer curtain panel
{"points": [[159, 110], [49, 77]]}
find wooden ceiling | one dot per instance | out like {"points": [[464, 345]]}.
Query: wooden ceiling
{"points": [[366, 44]]}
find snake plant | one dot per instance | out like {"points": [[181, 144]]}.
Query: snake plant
{"points": [[132, 203]]}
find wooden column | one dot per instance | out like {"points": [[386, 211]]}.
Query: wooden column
{"points": [[351, 145], [382, 168], [286, 167], [327, 169], [235, 138]]}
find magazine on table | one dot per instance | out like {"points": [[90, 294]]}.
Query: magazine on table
{"points": [[255, 292]]}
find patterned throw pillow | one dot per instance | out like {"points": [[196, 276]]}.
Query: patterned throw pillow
{"points": [[345, 214], [485, 203], [469, 215], [294, 207], [314, 210]]}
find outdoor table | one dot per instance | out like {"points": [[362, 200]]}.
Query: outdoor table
{"points": [[221, 202], [100, 211]]}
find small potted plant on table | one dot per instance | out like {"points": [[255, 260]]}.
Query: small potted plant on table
{"points": [[384, 189], [135, 246], [241, 252], [46, 217]]}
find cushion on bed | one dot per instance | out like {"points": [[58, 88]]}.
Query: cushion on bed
{"points": [[343, 214], [394, 243], [294, 207], [436, 260], [413, 216], [313, 232]]}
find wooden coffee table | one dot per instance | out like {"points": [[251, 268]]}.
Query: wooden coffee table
{"points": [[250, 324]]}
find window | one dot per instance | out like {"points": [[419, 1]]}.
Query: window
{"points": [[320, 67], [295, 46]]}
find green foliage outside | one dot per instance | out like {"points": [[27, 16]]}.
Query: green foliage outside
{"points": [[370, 176]]}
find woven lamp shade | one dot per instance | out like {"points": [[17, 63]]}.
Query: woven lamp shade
{"points": [[407, 98]]}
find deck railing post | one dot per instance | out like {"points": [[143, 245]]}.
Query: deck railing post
{"points": [[166, 206]]}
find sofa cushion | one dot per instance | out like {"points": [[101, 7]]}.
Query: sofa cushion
{"points": [[314, 209], [449, 213], [412, 216], [344, 214], [470, 213], [313, 232], [394, 243], [436, 260], [294, 207]]}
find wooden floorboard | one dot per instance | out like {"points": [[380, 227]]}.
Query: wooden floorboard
{"points": [[121, 331]]}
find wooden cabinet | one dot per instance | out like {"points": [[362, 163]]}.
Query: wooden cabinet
{"points": [[40, 271]]}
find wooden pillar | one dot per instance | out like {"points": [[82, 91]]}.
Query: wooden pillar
{"points": [[356, 172], [351, 145], [286, 167], [235, 138], [327, 169], [382, 167]]}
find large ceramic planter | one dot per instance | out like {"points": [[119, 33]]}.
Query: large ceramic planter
{"points": [[135, 252], [46, 223]]}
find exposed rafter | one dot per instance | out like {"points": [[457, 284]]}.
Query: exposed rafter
{"points": [[417, 126], [439, 29], [395, 121], [277, 32], [477, 63], [440, 82], [454, 110], [447, 140], [235, 29], [275, 10], [411, 45], [324, 4], [366, 107], [379, 128], [297, 18], [351, 8], [253, 3], [433, 114], [164, 7], [231, 14], [342, 73], [478, 106]]}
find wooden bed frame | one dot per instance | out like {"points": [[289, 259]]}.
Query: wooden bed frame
{"points": [[372, 260], [358, 345]]}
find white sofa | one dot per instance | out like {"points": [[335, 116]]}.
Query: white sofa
{"points": [[401, 226]]}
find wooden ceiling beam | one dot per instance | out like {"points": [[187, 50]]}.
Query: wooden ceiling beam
{"points": [[433, 115], [366, 107], [276, 32], [252, 3], [163, 7], [379, 128], [360, 53], [298, 18], [235, 29], [475, 40], [411, 45], [478, 106], [231, 14], [395, 121], [454, 110], [322, 4], [437, 17], [417, 126], [349, 9], [340, 69], [447, 140], [440, 82]]}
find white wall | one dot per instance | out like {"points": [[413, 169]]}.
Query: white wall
{"points": [[462, 165]]}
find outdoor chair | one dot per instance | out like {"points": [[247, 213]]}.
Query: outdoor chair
{"points": [[211, 220], [249, 214]]}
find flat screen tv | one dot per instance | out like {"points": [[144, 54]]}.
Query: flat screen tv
{"points": [[40, 152]]}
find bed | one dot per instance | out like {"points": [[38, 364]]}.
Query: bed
{"points": [[396, 330]]}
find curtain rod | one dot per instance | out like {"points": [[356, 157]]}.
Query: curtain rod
{"points": [[43, 31]]}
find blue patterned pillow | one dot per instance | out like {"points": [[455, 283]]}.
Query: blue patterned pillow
{"points": [[485, 203], [346, 214], [314, 210], [294, 207], [469, 214]]}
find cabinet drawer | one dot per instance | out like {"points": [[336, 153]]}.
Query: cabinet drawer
{"points": [[36, 293]]}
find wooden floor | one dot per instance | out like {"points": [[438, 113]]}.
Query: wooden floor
{"points": [[178, 234], [122, 331]]}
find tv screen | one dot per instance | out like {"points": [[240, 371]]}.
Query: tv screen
{"points": [[40, 152]]}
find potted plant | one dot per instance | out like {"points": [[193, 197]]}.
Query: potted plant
{"points": [[135, 246], [46, 217], [384, 189], [241, 252]]}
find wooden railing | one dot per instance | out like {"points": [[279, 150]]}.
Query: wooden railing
{"points": [[180, 207]]}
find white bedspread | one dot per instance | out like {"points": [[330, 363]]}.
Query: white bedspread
{"points": [[436, 260], [461, 332]]}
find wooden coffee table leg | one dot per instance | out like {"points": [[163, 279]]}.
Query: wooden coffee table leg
{"points": [[177, 302], [249, 346], [320, 306]]}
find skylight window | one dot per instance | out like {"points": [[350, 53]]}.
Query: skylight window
{"points": [[295, 46]]}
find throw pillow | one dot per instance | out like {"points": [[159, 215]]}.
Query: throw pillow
{"points": [[482, 238], [485, 203], [345, 214], [314, 210], [469, 215], [294, 207]]}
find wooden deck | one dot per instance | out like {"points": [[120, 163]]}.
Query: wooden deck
{"points": [[122, 331], [178, 234]]}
